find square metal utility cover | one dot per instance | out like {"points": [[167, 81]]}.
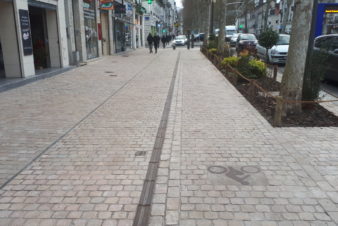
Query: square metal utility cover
{"points": [[140, 153]]}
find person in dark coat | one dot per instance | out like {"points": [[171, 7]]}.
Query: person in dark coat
{"points": [[150, 40], [163, 40], [156, 42], [167, 39], [192, 40]]}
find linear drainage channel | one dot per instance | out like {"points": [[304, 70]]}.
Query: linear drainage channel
{"points": [[144, 206]]}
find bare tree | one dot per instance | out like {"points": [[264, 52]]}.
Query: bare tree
{"points": [[266, 15], [222, 24], [195, 14], [292, 82], [207, 27], [286, 16]]}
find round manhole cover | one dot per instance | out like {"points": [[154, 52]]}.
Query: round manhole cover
{"points": [[250, 169], [217, 169]]}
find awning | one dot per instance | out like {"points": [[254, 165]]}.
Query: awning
{"points": [[41, 4]]}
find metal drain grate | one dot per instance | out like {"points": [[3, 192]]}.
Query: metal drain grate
{"points": [[140, 153]]}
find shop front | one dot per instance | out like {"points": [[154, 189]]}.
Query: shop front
{"points": [[123, 26], [327, 19], [31, 38], [119, 36], [90, 28]]}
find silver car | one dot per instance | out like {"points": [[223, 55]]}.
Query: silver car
{"points": [[180, 40], [278, 53]]}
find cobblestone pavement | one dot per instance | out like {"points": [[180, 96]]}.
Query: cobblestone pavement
{"points": [[91, 176], [221, 163], [227, 166], [37, 114]]}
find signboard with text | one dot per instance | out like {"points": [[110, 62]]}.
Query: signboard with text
{"points": [[106, 4], [25, 32]]}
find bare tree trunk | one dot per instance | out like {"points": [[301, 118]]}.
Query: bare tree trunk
{"points": [[208, 16], [292, 82], [266, 14], [246, 30], [222, 24], [286, 16]]}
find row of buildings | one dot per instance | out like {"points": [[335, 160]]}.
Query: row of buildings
{"points": [[279, 16], [43, 35]]}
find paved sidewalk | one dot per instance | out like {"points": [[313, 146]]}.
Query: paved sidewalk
{"points": [[38, 114], [227, 166], [221, 163]]}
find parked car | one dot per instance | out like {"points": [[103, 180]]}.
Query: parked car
{"points": [[233, 40], [198, 37], [278, 53], [246, 41], [329, 44], [230, 31], [201, 37], [180, 40]]}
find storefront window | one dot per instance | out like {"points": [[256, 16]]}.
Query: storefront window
{"points": [[128, 35], [90, 28], [119, 36], [331, 22]]}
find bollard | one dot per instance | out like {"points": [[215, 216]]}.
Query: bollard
{"points": [[251, 89], [275, 70], [277, 120]]}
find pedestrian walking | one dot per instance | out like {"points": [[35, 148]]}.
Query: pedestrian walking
{"points": [[150, 40], [156, 42], [188, 41], [163, 40], [192, 40], [167, 39]]}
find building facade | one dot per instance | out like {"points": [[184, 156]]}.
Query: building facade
{"points": [[37, 36], [278, 15], [33, 37], [160, 17]]}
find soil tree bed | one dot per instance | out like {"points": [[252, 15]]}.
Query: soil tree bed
{"points": [[313, 115]]}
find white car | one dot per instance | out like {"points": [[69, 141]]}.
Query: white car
{"points": [[278, 53], [233, 40], [180, 40]]}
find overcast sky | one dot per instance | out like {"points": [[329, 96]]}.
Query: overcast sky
{"points": [[179, 3]]}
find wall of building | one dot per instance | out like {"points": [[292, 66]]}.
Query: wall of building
{"points": [[9, 41]]}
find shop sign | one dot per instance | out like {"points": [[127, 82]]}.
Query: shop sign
{"points": [[119, 8], [99, 31], [129, 9], [25, 32], [106, 4], [332, 9], [89, 9]]}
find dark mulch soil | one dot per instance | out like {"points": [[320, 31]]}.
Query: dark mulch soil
{"points": [[269, 84], [313, 115]]}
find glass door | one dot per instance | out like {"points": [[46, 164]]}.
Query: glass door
{"points": [[90, 28]]}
